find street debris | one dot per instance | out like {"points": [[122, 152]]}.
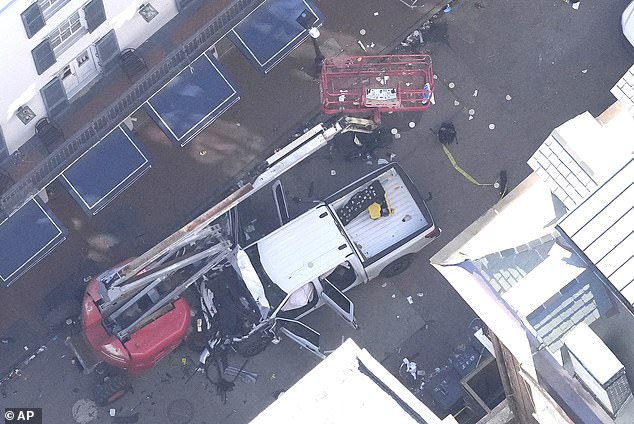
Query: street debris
{"points": [[333, 172], [470, 117], [508, 97], [393, 296], [362, 46], [435, 76], [384, 285], [246, 376], [376, 13], [397, 136], [471, 112], [410, 300], [362, 31], [447, 9], [456, 102], [420, 294], [392, 156], [394, 131], [202, 152], [584, 71], [382, 161], [113, 412], [475, 93], [412, 124], [491, 126], [410, 367], [452, 85]]}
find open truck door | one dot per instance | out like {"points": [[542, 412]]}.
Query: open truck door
{"points": [[301, 334], [338, 301]]}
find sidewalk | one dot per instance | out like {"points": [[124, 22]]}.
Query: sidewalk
{"points": [[183, 181]]}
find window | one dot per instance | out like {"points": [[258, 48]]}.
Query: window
{"points": [[49, 7], [65, 30]]}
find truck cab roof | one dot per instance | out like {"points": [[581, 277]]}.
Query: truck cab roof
{"points": [[303, 249]]}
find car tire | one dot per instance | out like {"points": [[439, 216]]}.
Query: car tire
{"points": [[253, 345], [111, 389], [397, 267]]}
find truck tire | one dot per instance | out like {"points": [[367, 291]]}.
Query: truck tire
{"points": [[253, 345], [111, 389], [397, 267]]}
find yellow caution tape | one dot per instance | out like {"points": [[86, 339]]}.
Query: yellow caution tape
{"points": [[459, 169]]}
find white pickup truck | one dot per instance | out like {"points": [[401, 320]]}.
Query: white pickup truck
{"points": [[371, 227]]}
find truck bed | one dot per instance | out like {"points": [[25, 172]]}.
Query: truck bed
{"points": [[373, 236]]}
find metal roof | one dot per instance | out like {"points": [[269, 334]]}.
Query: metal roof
{"points": [[303, 249], [602, 226]]}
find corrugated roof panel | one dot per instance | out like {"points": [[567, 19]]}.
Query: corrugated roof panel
{"points": [[603, 228]]}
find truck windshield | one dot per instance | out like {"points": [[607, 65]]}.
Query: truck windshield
{"points": [[273, 292]]}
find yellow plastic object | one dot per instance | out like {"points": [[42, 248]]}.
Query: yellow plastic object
{"points": [[375, 210]]}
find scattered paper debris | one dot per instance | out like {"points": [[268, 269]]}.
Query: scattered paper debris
{"points": [[447, 9], [372, 45], [202, 152], [508, 97], [576, 5], [475, 93], [470, 117], [362, 31], [362, 46], [435, 76], [584, 71], [237, 124], [384, 285], [394, 131], [491, 126], [412, 124], [376, 13], [397, 136], [342, 98], [471, 112], [456, 102], [392, 156], [398, 316], [382, 162], [452, 85], [432, 100], [410, 300], [184, 360], [393, 296], [333, 172], [113, 412], [420, 294]]}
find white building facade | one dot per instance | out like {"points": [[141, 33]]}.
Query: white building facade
{"points": [[55, 49]]}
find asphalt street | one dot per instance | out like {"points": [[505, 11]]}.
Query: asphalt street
{"points": [[524, 67]]}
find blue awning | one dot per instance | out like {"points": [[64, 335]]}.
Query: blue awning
{"points": [[105, 170], [27, 237], [269, 33], [193, 99]]}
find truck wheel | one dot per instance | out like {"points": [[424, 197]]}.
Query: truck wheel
{"points": [[397, 267], [253, 345], [111, 389]]}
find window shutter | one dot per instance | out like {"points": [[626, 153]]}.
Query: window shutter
{"points": [[32, 19], [107, 48], [43, 56], [54, 96], [95, 14]]}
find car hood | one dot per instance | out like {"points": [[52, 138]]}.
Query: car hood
{"points": [[627, 23]]}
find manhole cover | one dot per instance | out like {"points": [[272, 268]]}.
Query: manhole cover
{"points": [[84, 411], [180, 411]]}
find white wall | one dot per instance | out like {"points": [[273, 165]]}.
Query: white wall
{"points": [[18, 76]]}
